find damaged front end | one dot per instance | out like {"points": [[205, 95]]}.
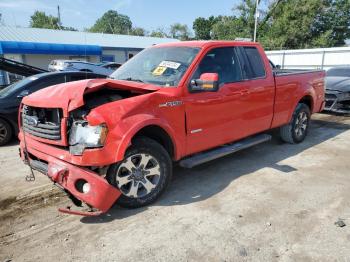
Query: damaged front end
{"points": [[70, 141], [337, 102]]}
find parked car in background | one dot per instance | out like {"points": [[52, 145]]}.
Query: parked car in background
{"points": [[11, 96], [338, 90], [186, 102], [71, 65], [111, 65]]}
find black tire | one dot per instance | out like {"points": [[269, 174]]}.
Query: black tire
{"points": [[294, 132], [159, 160], [5, 132]]}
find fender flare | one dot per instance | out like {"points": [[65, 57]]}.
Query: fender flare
{"points": [[148, 120], [309, 93]]}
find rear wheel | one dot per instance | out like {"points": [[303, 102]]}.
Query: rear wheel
{"points": [[5, 132], [296, 131], [143, 175]]}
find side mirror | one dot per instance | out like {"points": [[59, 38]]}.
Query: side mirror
{"points": [[23, 93], [208, 82], [278, 67]]}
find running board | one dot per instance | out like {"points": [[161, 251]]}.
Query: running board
{"points": [[224, 150]]}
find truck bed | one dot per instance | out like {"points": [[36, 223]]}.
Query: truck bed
{"points": [[282, 72]]}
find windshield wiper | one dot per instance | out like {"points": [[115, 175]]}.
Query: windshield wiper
{"points": [[133, 79]]}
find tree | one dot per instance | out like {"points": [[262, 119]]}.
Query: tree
{"points": [[246, 15], [202, 27], [112, 22], [288, 24], [240, 25], [138, 31], [41, 20], [308, 24], [159, 32], [179, 31], [333, 24], [230, 28]]}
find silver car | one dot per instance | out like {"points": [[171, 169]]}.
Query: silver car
{"points": [[338, 90], [71, 65]]}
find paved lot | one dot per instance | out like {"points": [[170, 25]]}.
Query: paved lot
{"points": [[273, 202]]}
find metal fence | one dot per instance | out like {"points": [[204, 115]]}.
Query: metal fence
{"points": [[320, 58]]}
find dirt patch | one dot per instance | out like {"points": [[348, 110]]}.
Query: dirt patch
{"points": [[12, 207], [7, 202]]}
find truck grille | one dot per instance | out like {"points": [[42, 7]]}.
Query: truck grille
{"points": [[42, 122]]}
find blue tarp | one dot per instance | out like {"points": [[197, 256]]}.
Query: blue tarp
{"points": [[13, 47]]}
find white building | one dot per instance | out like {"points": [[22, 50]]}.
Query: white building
{"points": [[37, 47]]}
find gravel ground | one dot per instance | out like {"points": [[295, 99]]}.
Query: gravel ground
{"points": [[272, 202]]}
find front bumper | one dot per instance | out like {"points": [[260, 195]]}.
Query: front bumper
{"points": [[101, 195], [337, 102]]}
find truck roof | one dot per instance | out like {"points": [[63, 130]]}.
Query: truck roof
{"points": [[202, 44]]}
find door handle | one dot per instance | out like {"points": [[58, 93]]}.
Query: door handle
{"points": [[209, 100], [245, 92]]}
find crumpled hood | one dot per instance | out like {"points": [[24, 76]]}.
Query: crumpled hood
{"points": [[338, 83], [70, 96]]}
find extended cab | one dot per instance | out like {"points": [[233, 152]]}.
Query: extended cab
{"points": [[112, 140]]}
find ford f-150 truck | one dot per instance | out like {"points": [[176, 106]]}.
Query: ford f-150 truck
{"points": [[115, 140]]}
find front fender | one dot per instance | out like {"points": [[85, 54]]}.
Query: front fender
{"points": [[133, 124]]}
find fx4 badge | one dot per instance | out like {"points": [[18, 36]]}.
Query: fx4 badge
{"points": [[170, 104]]}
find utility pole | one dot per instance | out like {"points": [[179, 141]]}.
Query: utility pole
{"points": [[256, 19], [59, 16]]}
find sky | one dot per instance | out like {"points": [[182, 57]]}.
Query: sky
{"points": [[149, 14]]}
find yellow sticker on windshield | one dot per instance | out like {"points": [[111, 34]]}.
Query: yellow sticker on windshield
{"points": [[159, 70]]}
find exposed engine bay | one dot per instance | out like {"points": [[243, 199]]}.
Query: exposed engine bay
{"points": [[81, 134]]}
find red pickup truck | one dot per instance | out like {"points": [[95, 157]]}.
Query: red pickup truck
{"points": [[112, 140]]}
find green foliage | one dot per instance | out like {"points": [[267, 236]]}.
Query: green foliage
{"points": [[179, 31], [241, 25], [308, 24], [287, 24], [41, 20], [112, 22], [202, 27], [230, 28], [138, 31], [160, 32]]}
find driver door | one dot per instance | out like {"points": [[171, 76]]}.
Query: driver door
{"points": [[209, 115]]}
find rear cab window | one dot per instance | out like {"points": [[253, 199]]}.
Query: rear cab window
{"points": [[252, 64]]}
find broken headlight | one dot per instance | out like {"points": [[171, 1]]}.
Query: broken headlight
{"points": [[83, 136]]}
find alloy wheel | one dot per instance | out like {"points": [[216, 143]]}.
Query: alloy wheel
{"points": [[301, 124], [3, 132], [138, 175]]}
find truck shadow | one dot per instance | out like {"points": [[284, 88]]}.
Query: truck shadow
{"points": [[207, 180]]}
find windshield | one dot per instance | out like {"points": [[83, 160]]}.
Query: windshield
{"points": [[344, 72], [11, 89], [163, 66]]}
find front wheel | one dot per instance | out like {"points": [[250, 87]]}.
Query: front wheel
{"points": [[143, 175], [5, 132], [296, 131]]}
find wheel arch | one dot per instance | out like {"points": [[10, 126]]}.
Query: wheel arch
{"points": [[309, 101], [154, 129], [14, 129], [158, 134]]}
